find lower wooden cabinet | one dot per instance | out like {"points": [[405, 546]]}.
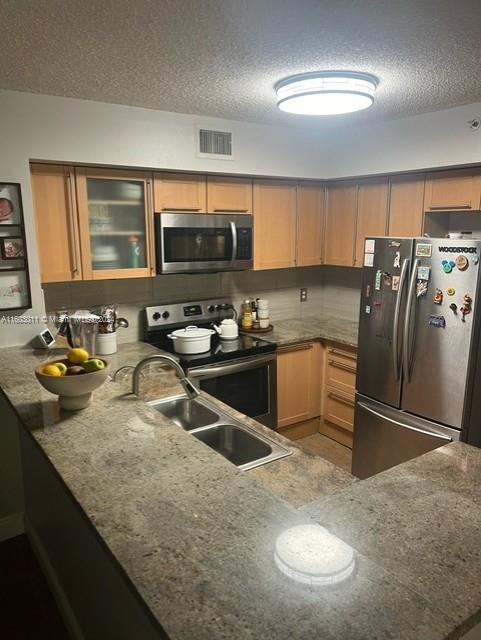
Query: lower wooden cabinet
{"points": [[298, 385], [337, 420]]}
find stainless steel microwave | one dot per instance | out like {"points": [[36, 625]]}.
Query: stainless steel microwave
{"points": [[197, 242]]}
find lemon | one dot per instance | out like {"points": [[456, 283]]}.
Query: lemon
{"points": [[77, 355], [61, 367], [52, 370]]}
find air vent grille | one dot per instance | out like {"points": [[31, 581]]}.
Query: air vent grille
{"points": [[217, 143]]}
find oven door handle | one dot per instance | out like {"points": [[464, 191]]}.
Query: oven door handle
{"points": [[225, 369], [233, 230]]}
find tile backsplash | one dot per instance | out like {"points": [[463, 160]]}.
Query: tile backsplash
{"points": [[331, 289]]}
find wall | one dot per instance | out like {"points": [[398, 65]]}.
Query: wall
{"points": [[331, 289], [438, 139], [65, 130]]}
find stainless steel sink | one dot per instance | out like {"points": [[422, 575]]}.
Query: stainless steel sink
{"points": [[240, 444], [188, 414]]}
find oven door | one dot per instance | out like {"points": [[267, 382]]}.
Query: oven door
{"points": [[248, 385], [189, 243]]}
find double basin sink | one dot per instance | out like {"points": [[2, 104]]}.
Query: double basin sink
{"points": [[240, 444]]}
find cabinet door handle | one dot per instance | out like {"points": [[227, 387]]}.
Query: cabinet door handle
{"points": [[227, 210], [295, 347], [344, 354], [72, 226], [464, 205], [181, 209], [342, 365], [335, 396]]}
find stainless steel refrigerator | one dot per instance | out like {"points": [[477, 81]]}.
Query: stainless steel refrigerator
{"points": [[419, 363]]}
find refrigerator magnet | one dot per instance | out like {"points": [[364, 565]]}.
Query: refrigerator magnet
{"points": [[423, 273], [462, 263], [438, 297], [368, 259], [369, 246], [397, 260], [421, 288], [423, 250], [394, 244], [377, 284], [448, 265], [368, 309], [437, 321], [395, 283]]}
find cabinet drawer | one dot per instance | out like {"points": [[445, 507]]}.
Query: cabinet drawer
{"points": [[339, 408], [341, 370]]}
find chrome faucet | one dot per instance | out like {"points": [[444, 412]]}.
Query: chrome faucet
{"points": [[189, 388]]}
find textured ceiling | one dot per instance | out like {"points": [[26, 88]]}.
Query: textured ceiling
{"points": [[222, 57]]}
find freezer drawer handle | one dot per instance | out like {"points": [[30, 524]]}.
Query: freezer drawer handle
{"points": [[433, 434], [395, 330]]}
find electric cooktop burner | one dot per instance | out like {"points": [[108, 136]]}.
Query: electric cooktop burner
{"points": [[161, 320]]}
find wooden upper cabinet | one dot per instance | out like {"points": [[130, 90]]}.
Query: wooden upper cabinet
{"points": [[55, 212], [274, 224], [453, 190], [229, 194], [340, 235], [298, 383], [310, 223], [371, 213], [116, 218], [180, 192], [406, 211]]}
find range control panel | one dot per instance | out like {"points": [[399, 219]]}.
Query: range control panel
{"points": [[192, 312]]}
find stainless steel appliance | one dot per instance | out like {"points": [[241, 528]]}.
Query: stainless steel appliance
{"points": [[240, 372], [193, 242], [419, 357]]}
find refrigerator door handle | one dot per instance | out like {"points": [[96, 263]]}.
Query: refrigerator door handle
{"points": [[397, 311], [435, 434], [407, 343]]}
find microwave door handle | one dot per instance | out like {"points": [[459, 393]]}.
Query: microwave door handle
{"points": [[397, 311], [407, 343], [233, 230]]}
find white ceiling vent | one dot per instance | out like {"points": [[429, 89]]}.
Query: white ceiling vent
{"points": [[215, 144]]}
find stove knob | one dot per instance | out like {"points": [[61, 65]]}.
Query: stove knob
{"points": [[211, 308], [220, 307], [166, 315], [156, 316]]}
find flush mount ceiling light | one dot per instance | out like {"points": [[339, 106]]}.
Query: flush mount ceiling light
{"points": [[326, 93]]}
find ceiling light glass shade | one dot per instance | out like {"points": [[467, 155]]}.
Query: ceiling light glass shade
{"points": [[326, 93]]}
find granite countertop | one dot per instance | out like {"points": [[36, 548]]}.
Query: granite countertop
{"points": [[322, 326], [196, 536]]}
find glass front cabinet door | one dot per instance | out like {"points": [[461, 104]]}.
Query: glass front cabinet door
{"points": [[115, 218]]}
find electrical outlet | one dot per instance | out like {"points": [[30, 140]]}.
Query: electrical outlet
{"points": [[304, 294]]}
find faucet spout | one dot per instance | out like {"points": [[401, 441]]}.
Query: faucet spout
{"points": [[189, 388]]}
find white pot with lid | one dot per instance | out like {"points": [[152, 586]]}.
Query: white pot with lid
{"points": [[191, 339]]}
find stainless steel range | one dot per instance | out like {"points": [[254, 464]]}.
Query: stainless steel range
{"points": [[240, 372]]}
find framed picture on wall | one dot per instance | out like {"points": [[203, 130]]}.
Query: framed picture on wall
{"points": [[14, 290], [11, 211], [12, 248]]}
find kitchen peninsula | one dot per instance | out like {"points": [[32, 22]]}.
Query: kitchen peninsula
{"points": [[167, 519]]}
